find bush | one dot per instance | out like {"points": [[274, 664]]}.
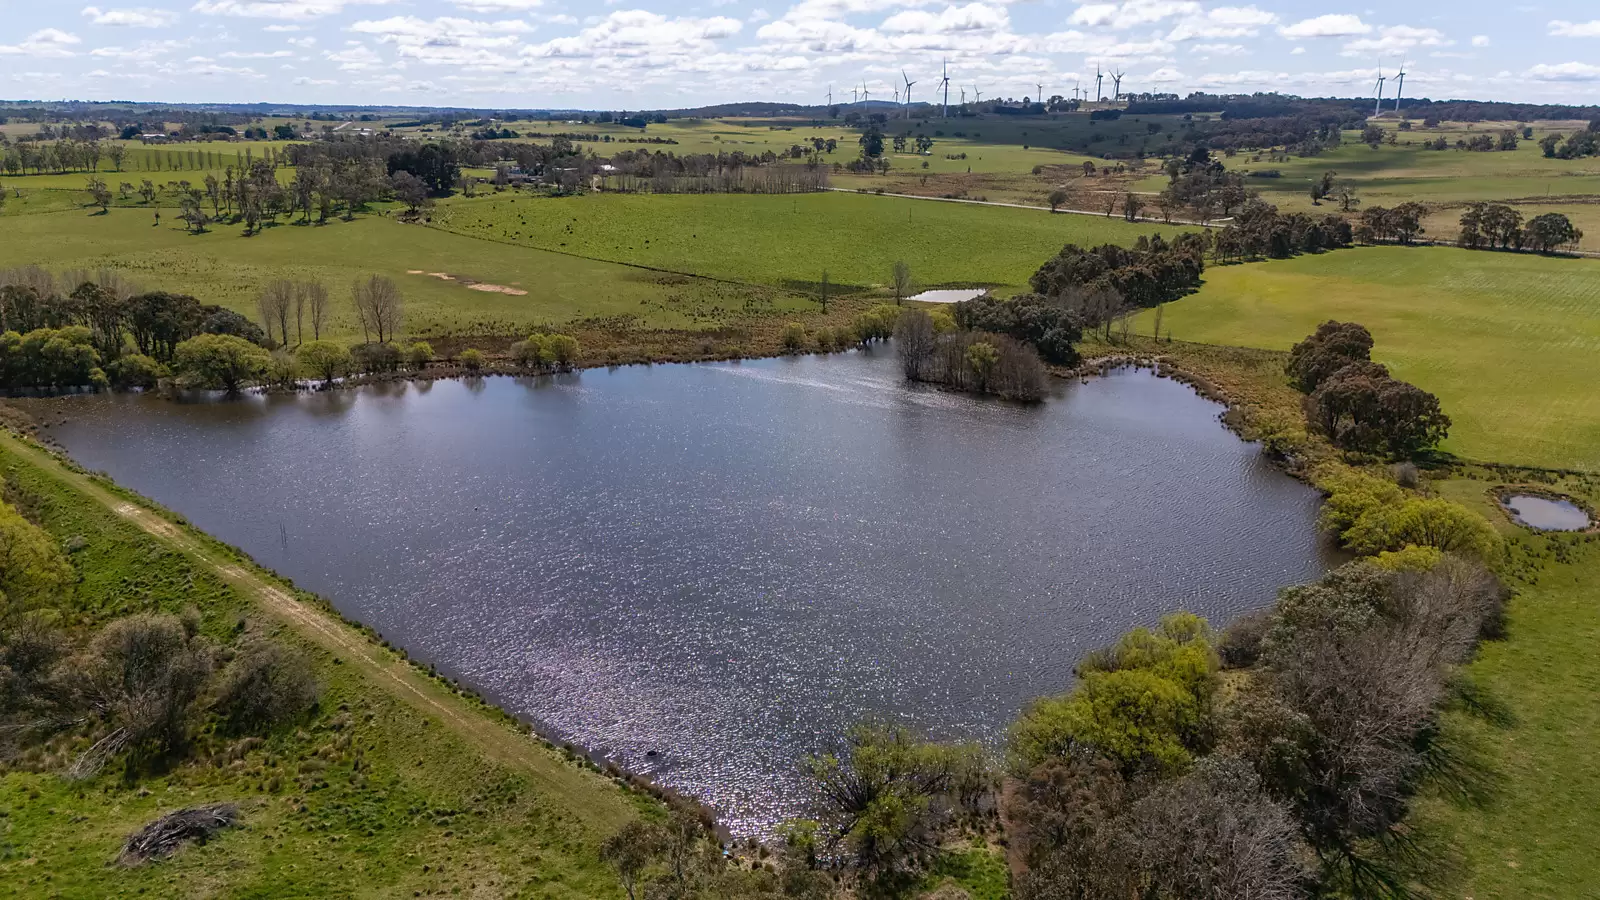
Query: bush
{"points": [[142, 675], [136, 371], [794, 337], [326, 360], [264, 686], [283, 370], [418, 355], [1433, 522], [375, 358], [472, 360], [220, 361]]}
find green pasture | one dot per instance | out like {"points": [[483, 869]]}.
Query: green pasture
{"points": [[222, 266], [791, 239], [1509, 342], [1533, 837]]}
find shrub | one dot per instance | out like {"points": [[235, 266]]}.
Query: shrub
{"points": [[324, 359], [472, 360], [1433, 522], [564, 348], [220, 361], [418, 355], [283, 369], [141, 675], [136, 371], [264, 686], [793, 337], [375, 358]]}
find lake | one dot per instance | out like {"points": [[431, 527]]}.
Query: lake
{"points": [[708, 571]]}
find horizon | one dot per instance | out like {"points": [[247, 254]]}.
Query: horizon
{"points": [[671, 54]]}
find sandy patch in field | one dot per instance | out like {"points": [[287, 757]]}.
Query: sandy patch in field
{"points": [[471, 285]]}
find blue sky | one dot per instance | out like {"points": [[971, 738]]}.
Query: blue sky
{"points": [[629, 54]]}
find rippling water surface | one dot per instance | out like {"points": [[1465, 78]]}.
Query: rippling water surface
{"points": [[728, 564]]}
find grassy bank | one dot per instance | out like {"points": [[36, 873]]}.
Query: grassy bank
{"points": [[396, 784], [1507, 341]]}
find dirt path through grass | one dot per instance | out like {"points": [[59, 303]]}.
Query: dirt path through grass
{"points": [[559, 779]]}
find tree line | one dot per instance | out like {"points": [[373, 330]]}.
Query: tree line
{"points": [[96, 329]]}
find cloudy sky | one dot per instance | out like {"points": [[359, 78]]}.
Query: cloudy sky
{"points": [[666, 53]]}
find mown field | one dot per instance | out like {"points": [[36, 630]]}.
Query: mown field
{"points": [[790, 240], [221, 266], [376, 794], [1507, 341]]}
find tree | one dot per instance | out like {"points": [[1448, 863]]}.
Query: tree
{"points": [[142, 675], [1372, 136], [872, 143], [99, 194], [1132, 204], [822, 292], [1345, 193], [118, 153], [1056, 199], [159, 321], [881, 799], [915, 339], [264, 686], [902, 280], [313, 297], [631, 851], [410, 190], [220, 361], [325, 359], [34, 574], [1330, 348], [378, 306], [275, 304], [1550, 232]]}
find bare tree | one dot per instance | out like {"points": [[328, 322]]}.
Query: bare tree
{"points": [[378, 306], [275, 302], [902, 280], [312, 297]]}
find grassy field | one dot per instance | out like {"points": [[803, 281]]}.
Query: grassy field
{"points": [[789, 240], [395, 785], [224, 267], [1507, 341], [1533, 838]]}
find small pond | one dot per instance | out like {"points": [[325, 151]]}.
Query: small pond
{"points": [[709, 571], [949, 295], [1546, 513]]}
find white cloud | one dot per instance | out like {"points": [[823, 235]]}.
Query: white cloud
{"points": [[304, 80], [1480, 40], [279, 9], [359, 58], [953, 19], [638, 32], [142, 17], [47, 43], [1334, 25], [450, 41], [1559, 28], [305, 42], [1218, 49], [263, 54], [1298, 51], [499, 6], [1566, 72], [1395, 39], [1132, 13], [1223, 22], [281, 29]]}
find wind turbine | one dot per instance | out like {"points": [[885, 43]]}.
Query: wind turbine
{"points": [[1099, 77], [1077, 88], [1116, 85], [853, 94], [977, 95], [944, 82], [1400, 86], [1378, 106], [1039, 94], [865, 94], [830, 95], [909, 83]]}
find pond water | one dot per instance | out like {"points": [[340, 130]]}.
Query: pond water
{"points": [[708, 571], [1546, 514], [949, 295]]}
